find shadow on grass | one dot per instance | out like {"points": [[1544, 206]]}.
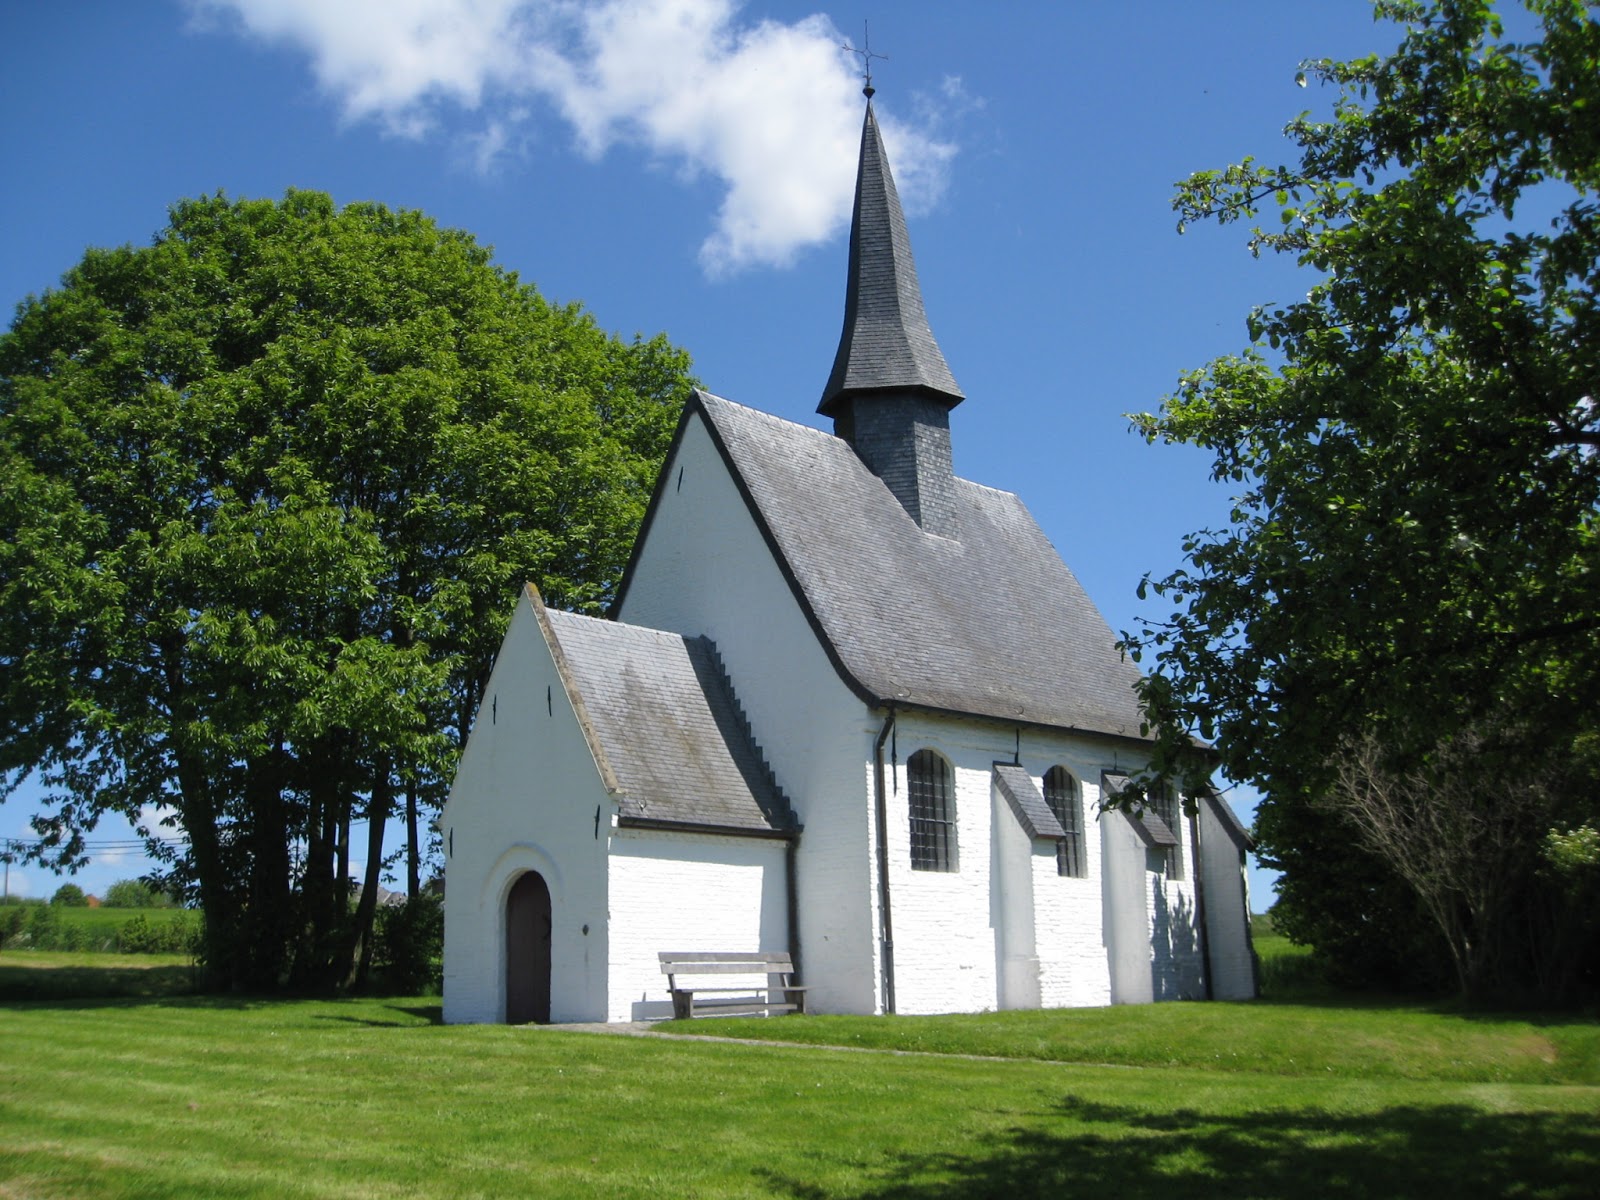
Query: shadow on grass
{"points": [[433, 1014], [95, 983], [1100, 1149]]}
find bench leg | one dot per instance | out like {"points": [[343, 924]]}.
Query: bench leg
{"points": [[682, 1005]]}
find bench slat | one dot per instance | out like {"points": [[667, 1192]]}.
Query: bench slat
{"points": [[725, 955], [758, 1006], [754, 987], [725, 961]]}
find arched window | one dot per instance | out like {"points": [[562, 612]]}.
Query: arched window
{"points": [[1165, 803], [1061, 794], [933, 813]]}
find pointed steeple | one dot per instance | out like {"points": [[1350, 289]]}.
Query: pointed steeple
{"points": [[886, 345], [891, 393]]}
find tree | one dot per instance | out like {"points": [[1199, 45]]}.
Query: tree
{"points": [[69, 895], [132, 893], [1413, 566], [267, 489]]}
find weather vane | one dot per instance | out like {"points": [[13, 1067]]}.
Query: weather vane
{"points": [[866, 60]]}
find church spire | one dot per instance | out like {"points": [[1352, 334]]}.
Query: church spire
{"points": [[886, 345], [890, 393]]}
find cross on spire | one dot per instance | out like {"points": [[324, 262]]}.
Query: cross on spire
{"points": [[867, 56]]}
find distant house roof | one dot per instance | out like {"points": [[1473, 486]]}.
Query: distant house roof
{"points": [[663, 723], [991, 624]]}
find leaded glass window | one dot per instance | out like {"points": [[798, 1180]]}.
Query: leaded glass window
{"points": [[933, 813], [1061, 794]]}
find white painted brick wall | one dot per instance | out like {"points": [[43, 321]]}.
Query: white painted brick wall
{"points": [[944, 944], [687, 892], [524, 799], [1074, 969]]}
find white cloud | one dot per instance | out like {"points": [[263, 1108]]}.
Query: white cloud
{"points": [[770, 110], [391, 60]]}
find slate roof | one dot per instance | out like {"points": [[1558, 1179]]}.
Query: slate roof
{"points": [[991, 624], [886, 344], [1027, 802], [668, 727]]}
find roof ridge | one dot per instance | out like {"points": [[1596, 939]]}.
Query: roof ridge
{"points": [[831, 437]]}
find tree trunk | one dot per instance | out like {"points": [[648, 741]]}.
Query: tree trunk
{"points": [[413, 852], [264, 947], [360, 961]]}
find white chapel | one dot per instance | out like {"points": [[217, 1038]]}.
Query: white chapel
{"points": [[851, 706]]}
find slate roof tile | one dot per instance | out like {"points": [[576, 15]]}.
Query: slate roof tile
{"points": [[989, 624], [670, 726], [1027, 802]]}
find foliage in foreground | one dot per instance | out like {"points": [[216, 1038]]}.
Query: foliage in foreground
{"points": [[268, 488], [1398, 637], [209, 1097]]}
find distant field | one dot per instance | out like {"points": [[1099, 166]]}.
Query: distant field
{"points": [[105, 929]]}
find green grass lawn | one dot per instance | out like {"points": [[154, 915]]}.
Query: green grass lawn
{"points": [[177, 1096], [1351, 1041]]}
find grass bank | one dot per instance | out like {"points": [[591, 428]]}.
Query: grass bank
{"points": [[1351, 1041], [208, 1097]]}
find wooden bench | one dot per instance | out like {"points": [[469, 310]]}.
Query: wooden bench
{"points": [[745, 1000]]}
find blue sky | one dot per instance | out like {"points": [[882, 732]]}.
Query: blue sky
{"points": [[684, 166]]}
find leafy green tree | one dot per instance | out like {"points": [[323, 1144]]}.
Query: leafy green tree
{"points": [[267, 489], [1412, 569], [69, 895], [130, 893], [13, 920]]}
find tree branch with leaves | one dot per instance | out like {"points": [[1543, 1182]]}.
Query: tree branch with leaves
{"points": [[1414, 549]]}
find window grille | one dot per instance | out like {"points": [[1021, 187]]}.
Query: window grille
{"points": [[933, 813], [1166, 806], [1061, 794]]}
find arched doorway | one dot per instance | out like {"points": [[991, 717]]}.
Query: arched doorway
{"points": [[528, 951]]}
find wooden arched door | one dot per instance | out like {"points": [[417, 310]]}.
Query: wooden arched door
{"points": [[528, 951]]}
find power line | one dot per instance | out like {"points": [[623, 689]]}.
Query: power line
{"points": [[27, 845]]}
